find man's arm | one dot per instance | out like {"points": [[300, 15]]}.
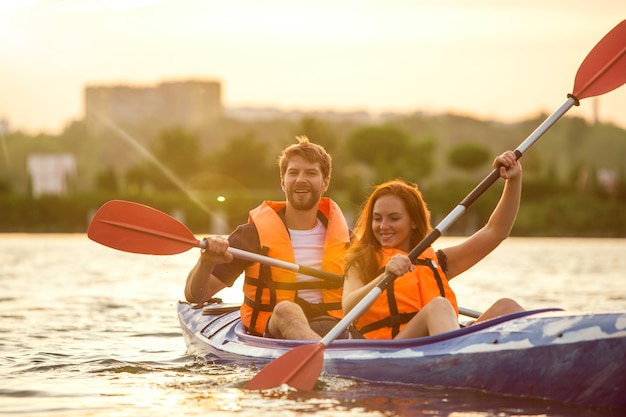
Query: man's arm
{"points": [[216, 269], [466, 254], [202, 284]]}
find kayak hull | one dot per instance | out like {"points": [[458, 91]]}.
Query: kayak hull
{"points": [[547, 354]]}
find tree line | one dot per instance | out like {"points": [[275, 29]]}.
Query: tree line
{"points": [[564, 193]]}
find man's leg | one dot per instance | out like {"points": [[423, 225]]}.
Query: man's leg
{"points": [[289, 322]]}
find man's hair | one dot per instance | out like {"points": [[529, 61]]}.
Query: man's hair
{"points": [[310, 152]]}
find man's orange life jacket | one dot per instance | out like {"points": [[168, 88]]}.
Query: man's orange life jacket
{"points": [[266, 286]]}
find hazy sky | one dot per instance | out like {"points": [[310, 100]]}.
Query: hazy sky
{"points": [[503, 59]]}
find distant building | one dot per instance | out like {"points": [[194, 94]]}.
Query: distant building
{"points": [[189, 104], [271, 113], [51, 173]]}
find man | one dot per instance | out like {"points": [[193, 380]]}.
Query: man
{"points": [[306, 229]]}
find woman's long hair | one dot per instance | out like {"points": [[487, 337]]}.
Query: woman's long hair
{"points": [[365, 252]]}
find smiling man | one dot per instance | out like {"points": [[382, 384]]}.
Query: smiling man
{"points": [[306, 229]]}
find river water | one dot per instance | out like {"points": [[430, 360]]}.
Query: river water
{"points": [[90, 331]]}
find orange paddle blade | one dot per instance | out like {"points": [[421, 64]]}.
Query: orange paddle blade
{"points": [[133, 227], [604, 68], [299, 368]]}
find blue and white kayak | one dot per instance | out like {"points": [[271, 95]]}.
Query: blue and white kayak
{"points": [[548, 354]]}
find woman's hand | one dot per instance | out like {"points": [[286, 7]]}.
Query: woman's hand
{"points": [[509, 167], [399, 265]]}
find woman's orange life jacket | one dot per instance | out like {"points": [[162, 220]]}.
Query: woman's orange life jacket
{"points": [[405, 296], [266, 286]]}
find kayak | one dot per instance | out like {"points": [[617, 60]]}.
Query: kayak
{"points": [[577, 358]]}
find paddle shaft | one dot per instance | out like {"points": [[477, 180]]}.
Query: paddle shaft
{"points": [[253, 257], [469, 312]]}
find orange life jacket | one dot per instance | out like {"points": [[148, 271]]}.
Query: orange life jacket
{"points": [[405, 296], [266, 286]]}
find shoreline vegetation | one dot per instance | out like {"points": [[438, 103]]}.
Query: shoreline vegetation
{"points": [[557, 216], [209, 177]]}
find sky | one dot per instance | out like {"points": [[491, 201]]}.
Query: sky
{"points": [[491, 59]]}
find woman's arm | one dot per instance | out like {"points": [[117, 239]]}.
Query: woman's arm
{"points": [[466, 254]]}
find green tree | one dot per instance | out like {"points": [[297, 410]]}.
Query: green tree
{"points": [[107, 181], [390, 152], [318, 131], [532, 163], [468, 156], [246, 159], [5, 186], [175, 157], [179, 150], [577, 131]]}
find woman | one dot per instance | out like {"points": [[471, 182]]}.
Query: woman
{"points": [[420, 302]]}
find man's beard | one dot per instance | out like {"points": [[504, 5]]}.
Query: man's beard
{"points": [[307, 204]]}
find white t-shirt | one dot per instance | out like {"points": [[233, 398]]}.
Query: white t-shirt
{"points": [[308, 248]]}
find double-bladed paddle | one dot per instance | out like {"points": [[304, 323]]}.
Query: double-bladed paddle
{"points": [[603, 70]]}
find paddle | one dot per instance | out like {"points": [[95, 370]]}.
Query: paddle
{"points": [[136, 228], [603, 70]]}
